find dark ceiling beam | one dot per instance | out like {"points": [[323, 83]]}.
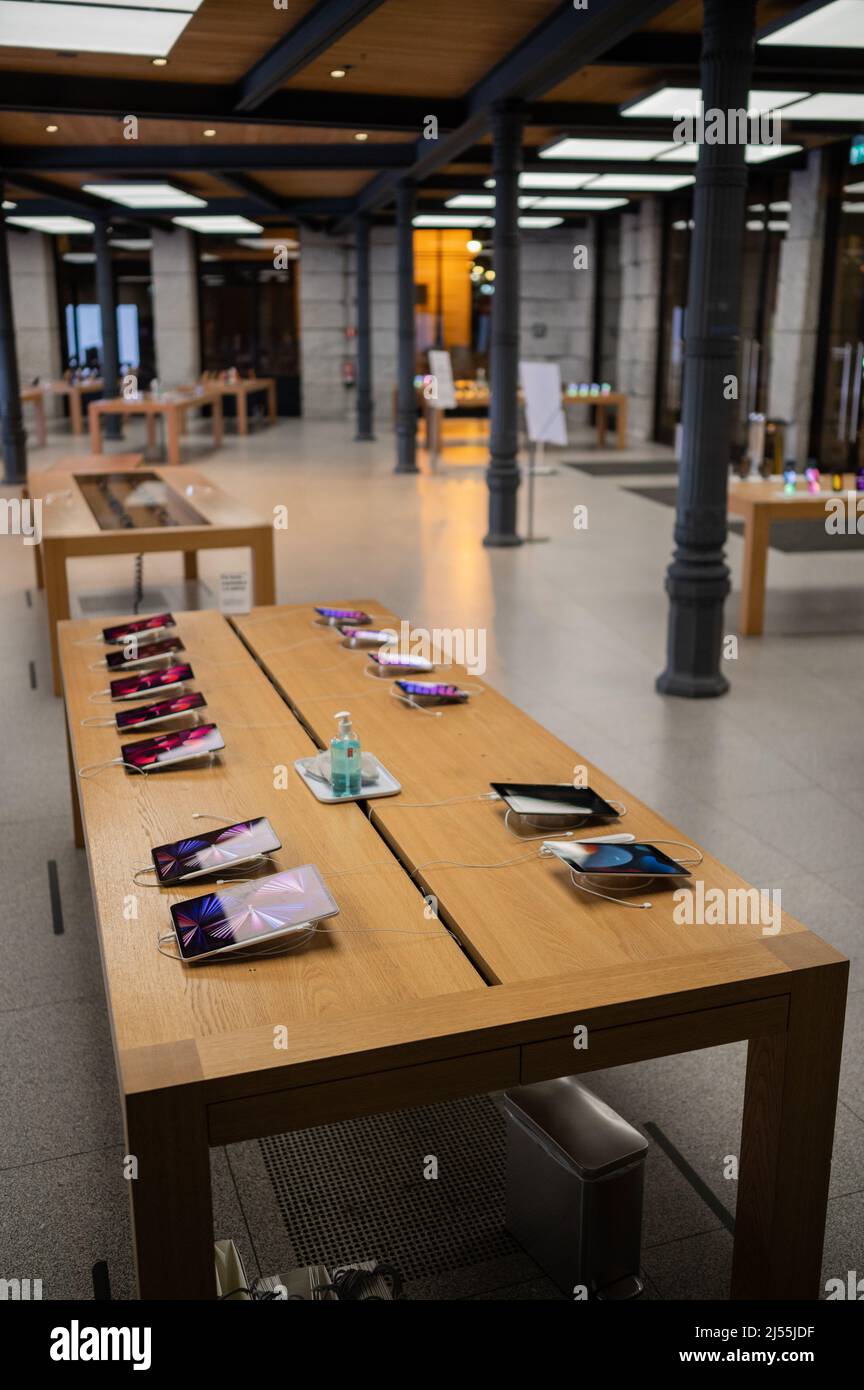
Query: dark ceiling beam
{"points": [[566, 41], [317, 31], [804, 69], [131, 159], [59, 95], [262, 198]]}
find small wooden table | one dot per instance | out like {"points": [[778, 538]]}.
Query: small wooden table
{"points": [[74, 391], [760, 504], [480, 396], [612, 399], [69, 529], [35, 396], [174, 405], [241, 390]]}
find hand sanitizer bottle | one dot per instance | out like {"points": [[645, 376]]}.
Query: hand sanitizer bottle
{"points": [[345, 758]]}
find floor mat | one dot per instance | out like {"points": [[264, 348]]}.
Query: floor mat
{"points": [[358, 1190]]}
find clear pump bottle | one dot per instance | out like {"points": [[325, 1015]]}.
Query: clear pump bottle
{"points": [[345, 773]]}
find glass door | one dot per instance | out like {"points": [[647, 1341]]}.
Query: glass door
{"points": [[841, 438]]}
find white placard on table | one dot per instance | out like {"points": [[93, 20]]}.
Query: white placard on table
{"points": [[441, 368], [235, 592], [544, 415]]}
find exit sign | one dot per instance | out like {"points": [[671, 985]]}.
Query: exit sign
{"points": [[856, 150]]}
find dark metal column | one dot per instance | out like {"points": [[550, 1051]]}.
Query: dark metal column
{"points": [[406, 400], [111, 424], [697, 580], [14, 436], [502, 475], [365, 406]]}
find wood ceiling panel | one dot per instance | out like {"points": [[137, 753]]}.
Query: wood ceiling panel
{"points": [[220, 44], [27, 128], [412, 48], [608, 85], [323, 183]]}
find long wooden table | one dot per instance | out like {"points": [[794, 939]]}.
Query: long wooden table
{"points": [[173, 405], [760, 504], [390, 1012], [69, 529], [616, 400]]}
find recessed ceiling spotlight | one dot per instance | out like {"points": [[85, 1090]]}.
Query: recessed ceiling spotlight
{"points": [[159, 62], [361, 135], [209, 132], [52, 129], [338, 72], [6, 205]]}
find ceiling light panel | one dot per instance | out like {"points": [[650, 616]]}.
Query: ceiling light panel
{"points": [[96, 26], [829, 106], [754, 154], [687, 101], [837, 25], [219, 226], [52, 226], [577, 148], [640, 183], [145, 195]]}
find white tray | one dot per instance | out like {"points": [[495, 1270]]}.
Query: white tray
{"points": [[322, 791]]}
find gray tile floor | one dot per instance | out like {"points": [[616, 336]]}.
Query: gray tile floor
{"points": [[771, 777]]}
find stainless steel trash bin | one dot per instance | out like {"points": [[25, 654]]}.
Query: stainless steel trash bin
{"points": [[575, 1173]]}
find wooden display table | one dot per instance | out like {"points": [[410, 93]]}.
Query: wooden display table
{"points": [[390, 1013], [74, 391], [473, 395], [241, 390], [70, 528], [615, 400], [760, 504], [174, 405], [35, 396]]}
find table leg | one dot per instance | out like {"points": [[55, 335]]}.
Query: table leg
{"points": [[94, 415], [41, 428], [621, 411], [602, 422], [172, 436], [151, 431], [242, 412], [172, 1205], [790, 1101], [56, 600], [757, 529], [75, 416], [262, 558], [77, 823], [271, 402], [216, 411], [190, 564]]}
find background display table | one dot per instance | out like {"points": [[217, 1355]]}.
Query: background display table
{"points": [[174, 406], [70, 528]]}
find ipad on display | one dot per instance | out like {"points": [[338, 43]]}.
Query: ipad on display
{"points": [[231, 919], [355, 616], [136, 687], [401, 661], [636, 860], [149, 627], [552, 799], [151, 754], [146, 655], [145, 716], [214, 850]]}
